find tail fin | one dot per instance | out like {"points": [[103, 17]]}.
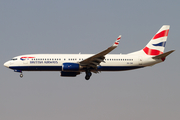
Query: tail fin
{"points": [[157, 44]]}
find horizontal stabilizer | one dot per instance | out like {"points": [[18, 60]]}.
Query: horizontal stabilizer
{"points": [[163, 55]]}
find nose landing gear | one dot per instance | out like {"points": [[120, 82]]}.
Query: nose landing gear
{"points": [[20, 71], [21, 75]]}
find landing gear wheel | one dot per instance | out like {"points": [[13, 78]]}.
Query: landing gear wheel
{"points": [[88, 74], [87, 77], [21, 75]]}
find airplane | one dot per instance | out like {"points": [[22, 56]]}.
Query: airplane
{"points": [[71, 65]]}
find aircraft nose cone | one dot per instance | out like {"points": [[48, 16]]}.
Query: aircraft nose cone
{"points": [[6, 64]]}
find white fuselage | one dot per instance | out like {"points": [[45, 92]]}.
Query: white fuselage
{"points": [[54, 62]]}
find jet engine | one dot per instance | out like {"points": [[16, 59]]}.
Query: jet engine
{"points": [[70, 67]]}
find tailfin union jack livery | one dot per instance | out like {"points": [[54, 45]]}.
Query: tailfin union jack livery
{"points": [[71, 65], [157, 44]]}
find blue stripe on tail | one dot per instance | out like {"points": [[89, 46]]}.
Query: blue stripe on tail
{"points": [[160, 44]]}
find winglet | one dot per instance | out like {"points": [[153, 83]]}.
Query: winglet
{"points": [[117, 41]]}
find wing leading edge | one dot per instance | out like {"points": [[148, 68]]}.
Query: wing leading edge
{"points": [[96, 59]]}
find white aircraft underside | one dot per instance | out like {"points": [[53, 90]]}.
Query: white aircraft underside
{"points": [[71, 65]]}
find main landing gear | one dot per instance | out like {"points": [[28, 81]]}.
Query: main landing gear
{"points": [[88, 74]]}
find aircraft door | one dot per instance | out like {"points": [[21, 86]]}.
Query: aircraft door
{"points": [[140, 60]]}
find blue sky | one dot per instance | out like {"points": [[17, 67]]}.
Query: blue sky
{"points": [[67, 26]]}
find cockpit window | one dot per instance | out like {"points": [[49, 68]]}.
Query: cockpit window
{"points": [[14, 59]]}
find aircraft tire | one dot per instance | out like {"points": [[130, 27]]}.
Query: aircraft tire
{"points": [[87, 77], [21, 75]]}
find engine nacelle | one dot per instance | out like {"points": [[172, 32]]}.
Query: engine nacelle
{"points": [[70, 67], [69, 74]]}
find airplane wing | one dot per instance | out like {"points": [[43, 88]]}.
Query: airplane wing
{"points": [[96, 59]]}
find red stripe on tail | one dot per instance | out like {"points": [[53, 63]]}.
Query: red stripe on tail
{"points": [[161, 34], [149, 51]]}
